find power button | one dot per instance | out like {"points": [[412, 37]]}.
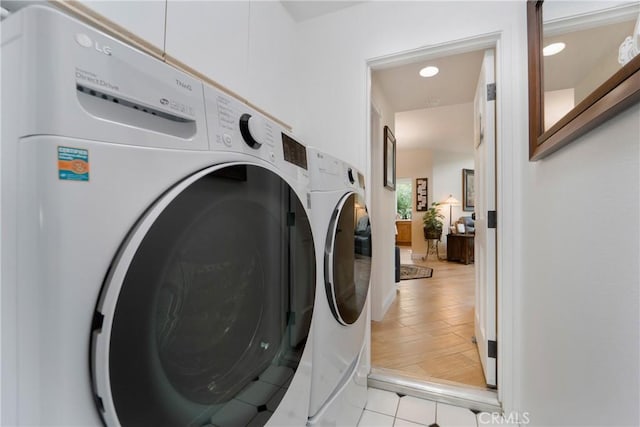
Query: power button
{"points": [[226, 138]]}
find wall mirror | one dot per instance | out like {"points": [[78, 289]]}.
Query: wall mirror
{"points": [[593, 74]]}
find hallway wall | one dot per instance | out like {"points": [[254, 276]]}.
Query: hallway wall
{"points": [[447, 179], [383, 210], [412, 164], [334, 51], [580, 292]]}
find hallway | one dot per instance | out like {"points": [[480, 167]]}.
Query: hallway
{"points": [[426, 333]]}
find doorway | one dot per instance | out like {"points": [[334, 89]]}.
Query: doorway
{"points": [[431, 329]]}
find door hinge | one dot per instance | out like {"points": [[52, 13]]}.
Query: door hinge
{"points": [[492, 219], [492, 349], [491, 92]]}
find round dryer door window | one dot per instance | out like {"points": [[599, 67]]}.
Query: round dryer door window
{"points": [[206, 311], [348, 259]]}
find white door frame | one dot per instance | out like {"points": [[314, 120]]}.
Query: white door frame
{"points": [[507, 207]]}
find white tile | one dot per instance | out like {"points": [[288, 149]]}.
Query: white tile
{"points": [[404, 423], [273, 403], [234, 413], [455, 416], [277, 375], [374, 419], [417, 410], [257, 393], [261, 419], [385, 402]]}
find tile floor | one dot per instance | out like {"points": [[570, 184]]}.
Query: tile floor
{"points": [[388, 409]]}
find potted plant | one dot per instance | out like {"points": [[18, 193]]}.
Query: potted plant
{"points": [[432, 221]]}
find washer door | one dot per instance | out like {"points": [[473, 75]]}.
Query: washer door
{"points": [[206, 311], [347, 261]]}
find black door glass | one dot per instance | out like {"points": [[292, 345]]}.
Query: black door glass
{"points": [[215, 309], [350, 257]]}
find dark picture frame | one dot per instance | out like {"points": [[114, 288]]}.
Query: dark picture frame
{"points": [[389, 159], [422, 194], [468, 190], [619, 92]]}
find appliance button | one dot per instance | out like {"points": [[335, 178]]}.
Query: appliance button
{"points": [[253, 130], [350, 175]]}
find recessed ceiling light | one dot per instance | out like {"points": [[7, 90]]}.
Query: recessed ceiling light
{"points": [[553, 48], [429, 71]]}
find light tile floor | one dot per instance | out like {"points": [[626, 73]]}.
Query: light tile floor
{"points": [[388, 409]]}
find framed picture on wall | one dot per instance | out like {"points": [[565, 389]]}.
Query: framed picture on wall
{"points": [[421, 194], [468, 190], [389, 159]]}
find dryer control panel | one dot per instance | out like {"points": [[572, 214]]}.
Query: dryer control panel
{"points": [[329, 173]]}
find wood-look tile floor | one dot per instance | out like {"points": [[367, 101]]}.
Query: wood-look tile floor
{"points": [[427, 332]]}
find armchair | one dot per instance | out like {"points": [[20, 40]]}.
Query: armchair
{"points": [[469, 224], [363, 236]]}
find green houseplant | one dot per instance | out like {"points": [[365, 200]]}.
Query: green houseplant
{"points": [[432, 221]]}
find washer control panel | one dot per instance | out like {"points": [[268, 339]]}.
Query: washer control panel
{"points": [[233, 126]]}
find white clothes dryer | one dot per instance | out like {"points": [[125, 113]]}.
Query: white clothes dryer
{"points": [[343, 247], [157, 260]]}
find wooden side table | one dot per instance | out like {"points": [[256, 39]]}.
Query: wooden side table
{"points": [[460, 248]]}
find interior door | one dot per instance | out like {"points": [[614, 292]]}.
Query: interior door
{"points": [[485, 201]]}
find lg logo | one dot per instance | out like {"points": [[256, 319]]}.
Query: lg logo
{"points": [[85, 41]]}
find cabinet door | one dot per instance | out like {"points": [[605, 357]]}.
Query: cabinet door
{"points": [[145, 18], [211, 37]]}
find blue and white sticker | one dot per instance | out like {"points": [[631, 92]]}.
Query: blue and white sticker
{"points": [[73, 164]]}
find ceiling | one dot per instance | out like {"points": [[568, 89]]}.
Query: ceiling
{"points": [[585, 51], [435, 112]]}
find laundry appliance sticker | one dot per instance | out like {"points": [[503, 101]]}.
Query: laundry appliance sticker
{"points": [[73, 164]]}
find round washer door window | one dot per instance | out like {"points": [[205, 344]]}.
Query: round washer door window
{"points": [[348, 259], [207, 309]]}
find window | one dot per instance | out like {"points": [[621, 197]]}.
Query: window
{"points": [[404, 204]]}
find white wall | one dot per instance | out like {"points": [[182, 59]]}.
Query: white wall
{"points": [[447, 179], [579, 302], [580, 291], [333, 52], [383, 211], [412, 164], [247, 46], [144, 18], [557, 103]]}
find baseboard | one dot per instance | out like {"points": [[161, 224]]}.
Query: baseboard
{"points": [[389, 299]]}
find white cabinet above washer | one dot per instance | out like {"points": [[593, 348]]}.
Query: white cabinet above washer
{"points": [[143, 18], [211, 37]]}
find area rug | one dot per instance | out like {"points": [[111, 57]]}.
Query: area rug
{"points": [[409, 272]]}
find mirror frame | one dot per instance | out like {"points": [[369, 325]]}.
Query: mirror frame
{"points": [[617, 93]]}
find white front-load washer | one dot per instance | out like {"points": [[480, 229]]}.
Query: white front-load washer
{"points": [[157, 260], [343, 250]]}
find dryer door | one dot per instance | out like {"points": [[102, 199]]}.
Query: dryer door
{"points": [[347, 260], [206, 311]]}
